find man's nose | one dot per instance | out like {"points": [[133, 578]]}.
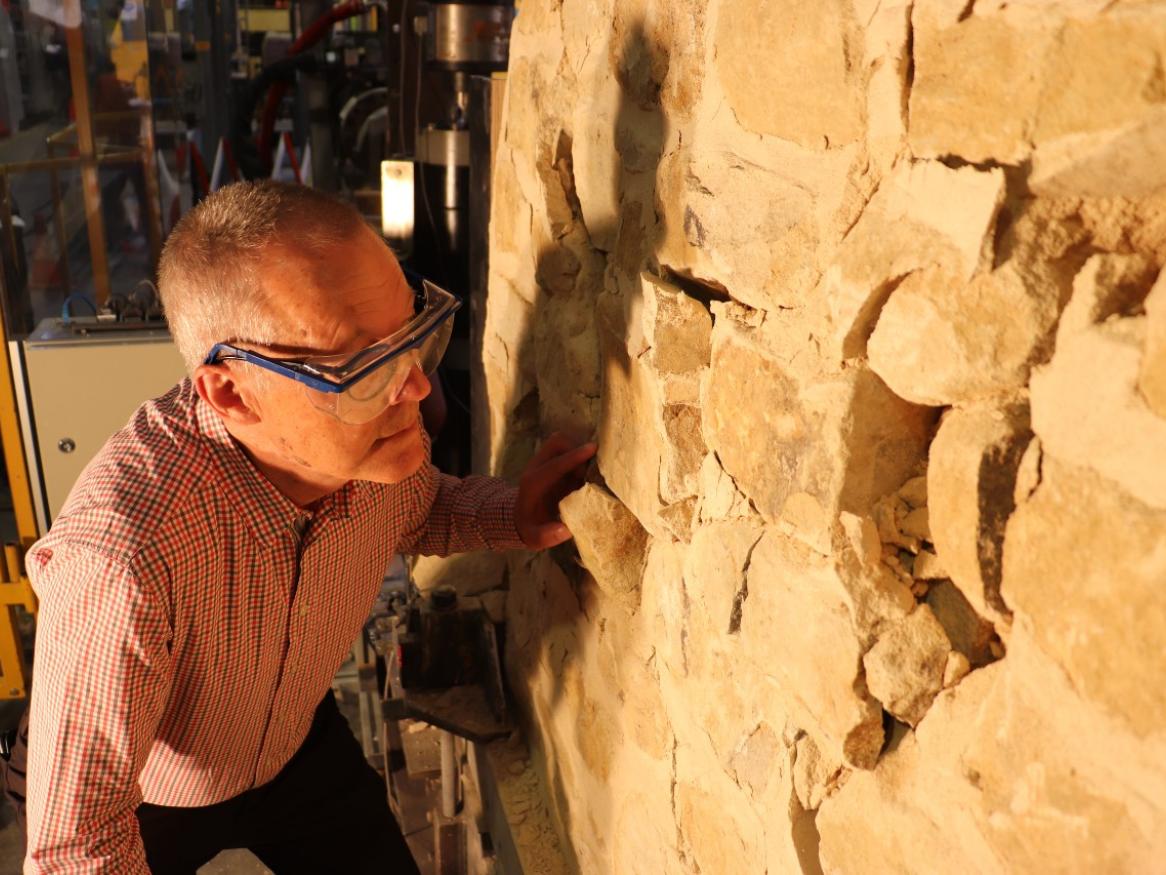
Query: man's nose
{"points": [[416, 386]]}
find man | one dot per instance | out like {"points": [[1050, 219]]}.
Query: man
{"points": [[214, 562]]}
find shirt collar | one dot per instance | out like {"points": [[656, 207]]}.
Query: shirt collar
{"points": [[270, 513]]}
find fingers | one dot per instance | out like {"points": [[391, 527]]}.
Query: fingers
{"points": [[554, 468], [552, 446], [548, 535]]}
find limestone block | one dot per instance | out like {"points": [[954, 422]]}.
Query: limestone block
{"points": [[968, 632], [1152, 379], [1028, 777], [510, 228], [1063, 788], [720, 837], [719, 495], [814, 774], [845, 440], [1110, 67], [887, 59], [567, 361], [769, 91], [754, 224], [756, 760], [927, 566], [970, 478], [612, 543], [920, 777], [631, 439], [677, 328], [1094, 416], [954, 110], [469, 573], [925, 213], [642, 842], [1071, 77], [597, 107], [904, 669], [1107, 285], [941, 342], [864, 538], [651, 449], [1127, 161], [796, 627], [916, 524], [1067, 547], [955, 669], [914, 492]]}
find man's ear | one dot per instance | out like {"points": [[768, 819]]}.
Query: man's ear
{"points": [[218, 387]]}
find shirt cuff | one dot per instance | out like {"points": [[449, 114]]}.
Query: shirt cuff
{"points": [[499, 528]]}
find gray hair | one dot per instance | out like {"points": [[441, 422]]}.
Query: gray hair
{"points": [[208, 276]]}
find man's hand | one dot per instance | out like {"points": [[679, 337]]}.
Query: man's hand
{"points": [[556, 469]]}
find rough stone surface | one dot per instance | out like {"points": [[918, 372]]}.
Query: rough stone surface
{"points": [[1152, 379], [1060, 554], [969, 633], [859, 301], [842, 441], [612, 543], [769, 92], [469, 573], [1095, 416], [940, 341], [796, 610], [970, 485], [950, 212], [1107, 285], [905, 668]]}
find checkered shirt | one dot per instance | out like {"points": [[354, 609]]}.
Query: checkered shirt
{"points": [[192, 617]]}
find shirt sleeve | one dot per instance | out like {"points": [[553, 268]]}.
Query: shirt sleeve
{"points": [[451, 515], [102, 676]]}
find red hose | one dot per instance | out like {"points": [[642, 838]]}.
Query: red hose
{"points": [[311, 35]]}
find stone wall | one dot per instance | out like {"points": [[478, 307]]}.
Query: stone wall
{"points": [[862, 302]]}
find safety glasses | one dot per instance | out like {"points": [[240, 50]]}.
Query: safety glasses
{"points": [[358, 388]]}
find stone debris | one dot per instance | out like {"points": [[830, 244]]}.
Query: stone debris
{"points": [[612, 544], [968, 632], [905, 668], [928, 567], [915, 525], [914, 492], [863, 535], [955, 669], [815, 776]]}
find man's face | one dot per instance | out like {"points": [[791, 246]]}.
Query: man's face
{"points": [[338, 300]]}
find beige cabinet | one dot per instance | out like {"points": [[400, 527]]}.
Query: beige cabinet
{"points": [[80, 389]]}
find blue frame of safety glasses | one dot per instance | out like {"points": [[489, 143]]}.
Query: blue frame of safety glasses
{"points": [[225, 351]]}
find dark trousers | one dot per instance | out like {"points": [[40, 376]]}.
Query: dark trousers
{"points": [[327, 811]]}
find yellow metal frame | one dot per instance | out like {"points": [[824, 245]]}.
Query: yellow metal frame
{"points": [[15, 590]]}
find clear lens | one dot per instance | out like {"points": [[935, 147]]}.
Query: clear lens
{"points": [[381, 387]]}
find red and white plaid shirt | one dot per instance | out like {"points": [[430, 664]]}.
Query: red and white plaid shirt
{"points": [[192, 617]]}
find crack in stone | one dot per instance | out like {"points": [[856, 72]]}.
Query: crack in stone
{"points": [[743, 593]]}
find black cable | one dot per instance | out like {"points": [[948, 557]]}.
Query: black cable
{"points": [[242, 140]]}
